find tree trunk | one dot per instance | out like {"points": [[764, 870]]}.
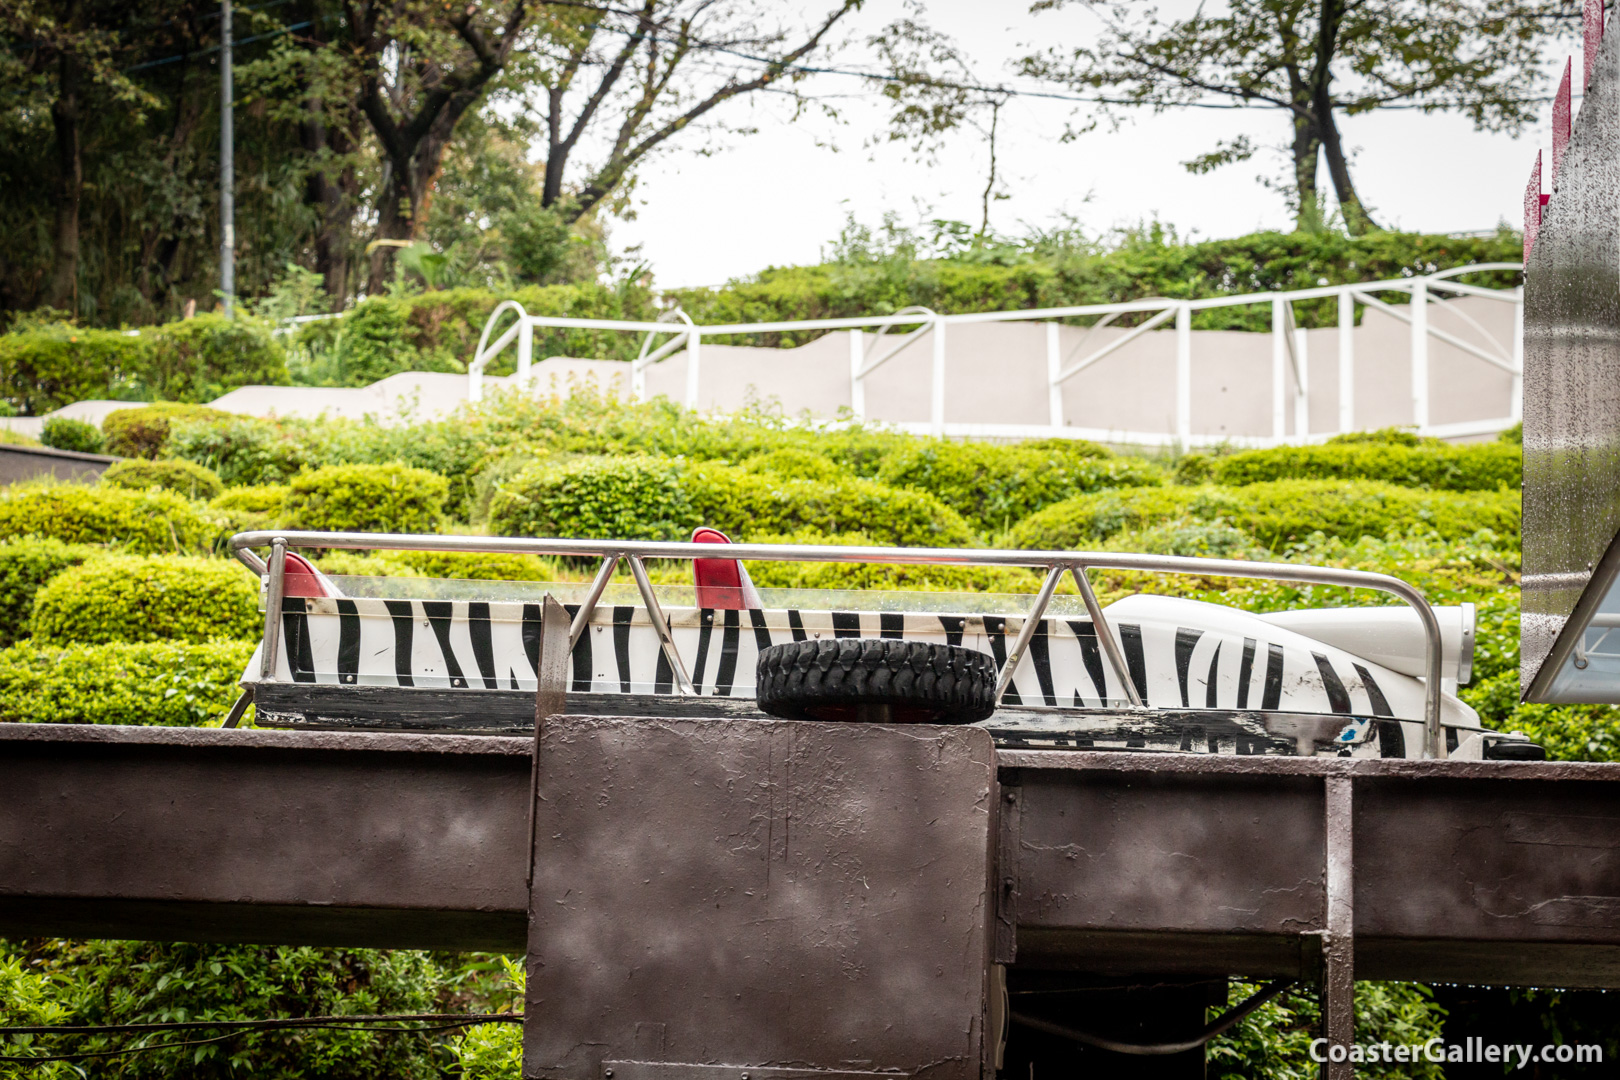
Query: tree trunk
{"points": [[1306, 148], [1356, 218], [62, 291], [407, 190], [333, 198]]}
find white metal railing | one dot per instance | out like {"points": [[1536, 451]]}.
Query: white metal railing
{"points": [[1288, 351]]}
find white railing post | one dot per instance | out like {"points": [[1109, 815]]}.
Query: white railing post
{"points": [[1516, 392], [1054, 368], [475, 384], [857, 384], [1420, 353], [1347, 361], [525, 351], [1184, 374], [1302, 385], [1279, 370], [936, 409], [694, 357]]}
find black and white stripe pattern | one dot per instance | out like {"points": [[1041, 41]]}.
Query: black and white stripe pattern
{"points": [[491, 645]]}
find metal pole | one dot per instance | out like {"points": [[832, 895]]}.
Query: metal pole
{"points": [[1302, 385], [936, 410], [582, 618], [227, 167], [1339, 939], [1105, 637], [1420, 353], [1032, 622], [275, 590], [1347, 361], [1279, 370], [694, 357], [525, 358], [655, 612], [857, 386], [1184, 374], [1054, 368]]}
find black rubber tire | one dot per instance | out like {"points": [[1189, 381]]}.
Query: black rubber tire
{"points": [[832, 679], [1514, 751]]}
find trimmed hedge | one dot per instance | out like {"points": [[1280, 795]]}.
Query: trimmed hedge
{"points": [[795, 463], [646, 498], [187, 478], [367, 498], [241, 449], [253, 499], [46, 367], [144, 522], [806, 575], [1275, 512], [149, 684], [995, 487], [63, 433], [1472, 467], [143, 432], [26, 564], [155, 598]]}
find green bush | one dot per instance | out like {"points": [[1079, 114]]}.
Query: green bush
{"points": [[646, 498], [995, 487], [26, 564], [628, 498], [142, 432], [795, 463], [200, 358], [185, 477], [152, 683], [253, 499], [1274, 513], [135, 982], [367, 498], [62, 433], [241, 449], [144, 522], [814, 575], [46, 367], [1471, 467], [151, 598], [1389, 436]]}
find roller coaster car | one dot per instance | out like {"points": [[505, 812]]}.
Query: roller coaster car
{"points": [[1166, 674]]}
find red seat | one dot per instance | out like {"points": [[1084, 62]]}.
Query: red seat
{"points": [[721, 583]]}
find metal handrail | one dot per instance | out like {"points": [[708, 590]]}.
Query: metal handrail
{"points": [[1055, 563]]}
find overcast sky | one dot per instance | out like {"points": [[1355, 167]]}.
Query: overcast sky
{"points": [[780, 196]]}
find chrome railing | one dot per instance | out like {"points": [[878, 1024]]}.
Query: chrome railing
{"points": [[1054, 563]]}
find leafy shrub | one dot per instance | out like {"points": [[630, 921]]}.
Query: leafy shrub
{"points": [[241, 449], [1390, 436], [26, 564], [995, 487], [475, 566], [152, 598], [63, 433], [1070, 448], [144, 522], [186, 477], [253, 499], [795, 463], [1194, 468], [142, 432], [1514, 434], [46, 367], [645, 498], [1472, 467], [812, 575], [200, 358], [152, 683], [367, 498], [629, 498], [125, 982], [1274, 512]]}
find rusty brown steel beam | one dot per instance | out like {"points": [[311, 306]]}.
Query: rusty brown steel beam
{"points": [[1110, 862]]}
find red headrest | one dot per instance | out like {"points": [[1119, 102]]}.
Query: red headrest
{"points": [[719, 581]]}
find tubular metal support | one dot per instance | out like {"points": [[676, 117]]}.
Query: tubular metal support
{"points": [[1105, 635], [655, 612], [582, 618], [275, 592], [1027, 631]]}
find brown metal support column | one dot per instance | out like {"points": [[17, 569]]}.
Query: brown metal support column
{"points": [[1338, 942]]}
